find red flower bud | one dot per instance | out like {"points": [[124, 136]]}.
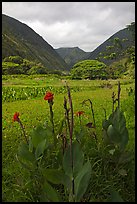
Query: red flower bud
{"points": [[49, 96], [79, 113], [16, 117]]}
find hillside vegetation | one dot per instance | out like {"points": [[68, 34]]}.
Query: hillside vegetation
{"points": [[25, 52], [19, 39], [72, 55]]}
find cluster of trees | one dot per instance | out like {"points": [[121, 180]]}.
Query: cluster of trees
{"points": [[94, 69], [18, 65], [89, 69]]}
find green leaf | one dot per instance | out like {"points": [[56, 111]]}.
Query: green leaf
{"points": [[38, 135], [115, 197], [105, 124], [119, 121], [113, 134], [78, 159], [24, 153], [40, 149], [124, 139], [82, 181], [25, 165], [50, 193], [55, 176]]}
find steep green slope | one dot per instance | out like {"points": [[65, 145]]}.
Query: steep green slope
{"points": [[20, 40], [116, 47], [72, 55]]}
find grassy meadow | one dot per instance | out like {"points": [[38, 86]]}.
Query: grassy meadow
{"points": [[24, 94]]}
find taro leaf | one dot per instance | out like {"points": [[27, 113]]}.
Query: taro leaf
{"points": [[82, 181], [124, 139], [119, 125], [113, 134], [38, 135], [49, 193], [115, 197], [78, 158], [56, 176], [24, 153], [119, 121], [40, 149]]}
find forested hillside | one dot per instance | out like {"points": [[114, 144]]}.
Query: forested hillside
{"points": [[18, 39]]}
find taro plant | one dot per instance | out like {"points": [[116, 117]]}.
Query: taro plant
{"points": [[115, 132]]}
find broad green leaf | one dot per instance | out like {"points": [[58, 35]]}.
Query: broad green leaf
{"points": [[82, 181], [56, 176], [113, 134], [78, 158], [105, 124], [38, 135], [40, 149], [50, 193], [115, 197], [25, 165], [124, 139], [24, 153], [119, 121], [117, 131]]}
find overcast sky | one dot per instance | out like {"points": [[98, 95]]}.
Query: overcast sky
{"points": [[73, 24]]}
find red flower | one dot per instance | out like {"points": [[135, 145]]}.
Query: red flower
{"points": [[49, 96], [79, 113], [16, 117]]}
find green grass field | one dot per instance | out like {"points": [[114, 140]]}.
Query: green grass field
{"points": [[34, 111]]}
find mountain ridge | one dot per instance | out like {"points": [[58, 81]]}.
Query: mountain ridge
{"points": [[19, 39]]}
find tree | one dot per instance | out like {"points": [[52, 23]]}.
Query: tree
{"points": [[89, 69]]}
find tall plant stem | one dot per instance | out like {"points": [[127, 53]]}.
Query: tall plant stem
{"points": [[52, 121], [71, 124], [119, 89], [23, 131]]}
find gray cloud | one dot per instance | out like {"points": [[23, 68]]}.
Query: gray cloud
{"points": [[70, 24]]}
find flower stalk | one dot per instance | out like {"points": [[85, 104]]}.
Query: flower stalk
{"points": [[71, 126], [17, 119], [49, 97]]}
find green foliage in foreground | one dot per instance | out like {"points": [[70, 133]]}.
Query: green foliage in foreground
{"points": [[105, 176]]}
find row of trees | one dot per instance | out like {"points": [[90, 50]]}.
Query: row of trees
{"points": [[18, 65], [93, 69]]}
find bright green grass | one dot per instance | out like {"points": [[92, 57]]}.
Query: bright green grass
{"points": [[15, 182]]}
